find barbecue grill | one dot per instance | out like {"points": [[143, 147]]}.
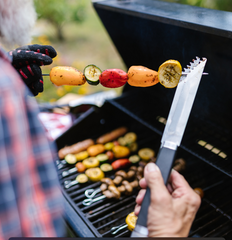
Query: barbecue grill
{"points": [[147, 33]]}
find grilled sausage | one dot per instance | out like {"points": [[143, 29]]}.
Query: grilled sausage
{"points": [[108, 137], [75, 148]]}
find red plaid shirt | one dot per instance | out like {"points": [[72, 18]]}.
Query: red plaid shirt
{"points": [[30, 197]]}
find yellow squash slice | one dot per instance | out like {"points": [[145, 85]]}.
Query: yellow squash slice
{"points": [[169, 73]]}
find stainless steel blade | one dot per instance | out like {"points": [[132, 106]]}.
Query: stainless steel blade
{"points": [[182, 104]]}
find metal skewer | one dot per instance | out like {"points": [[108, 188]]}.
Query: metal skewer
{"points": [[89, 201], [90, 193], [117, 228], [68, 172]]}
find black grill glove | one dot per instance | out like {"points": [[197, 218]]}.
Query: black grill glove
{"points": [[27, 61]]}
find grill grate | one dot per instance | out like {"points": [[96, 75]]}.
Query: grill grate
{"points": [[214, 215]]}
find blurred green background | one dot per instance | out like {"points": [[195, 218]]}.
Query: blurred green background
{"points": [[74, 29]]}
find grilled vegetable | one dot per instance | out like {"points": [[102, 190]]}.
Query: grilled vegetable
{"points": [[70, 158], [92, 74], [140, 76], [110, 155], [120, 163], [95, 174], [131, 220], [108, 137], [120, 151], [130, 137], [146, 154], [95, 150], [134, 158], [65, 75], [80, 167], [102, 157], [75, 148], [133, 146], [81, 155], [113, 78], [91, 162], [122, 141], [109, 145], [106, 167], [169, 73], [82, 178]]}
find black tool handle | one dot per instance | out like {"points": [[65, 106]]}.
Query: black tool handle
{"points": [[164, 161]]}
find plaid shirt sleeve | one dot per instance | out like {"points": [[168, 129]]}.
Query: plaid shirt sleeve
{"points": [[30, 198]]}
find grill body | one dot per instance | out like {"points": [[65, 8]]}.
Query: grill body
{"points": [[148, 32]]}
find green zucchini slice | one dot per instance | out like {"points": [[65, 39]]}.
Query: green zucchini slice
{"points": [[134, 158], [106, 167], [102, 157], [92, 73], [70, 158]]}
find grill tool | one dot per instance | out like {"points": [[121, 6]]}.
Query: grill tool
{"points": [[173, 132]]}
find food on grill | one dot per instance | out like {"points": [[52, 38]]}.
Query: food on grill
{"points": [[108, 137], [131, 172], [92, 73], [82, 178], [133, 147], [120, 151], [169, 73], [131, 220], [91, 162], [106, 167], [70, 158], [113, 78], [81, 155], [134, 158], [119, 176], [105, 183], [80, 167], [140, 76], [75, 148], [96, 149], [102, 157], [139, 173], [199, 191], [179, 164], [65, 75], [109, 145], [146, 154], [122, 141], [130, 137], [95, 174], [128, 187], [110, 155], [112, 192], [120, 163]]}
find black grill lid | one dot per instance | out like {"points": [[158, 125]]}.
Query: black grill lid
{"points": [[149, 32]]}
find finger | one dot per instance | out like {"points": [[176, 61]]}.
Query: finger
{"points": [[155, 182], [142, 183], [23, 57], [37, 87], [30, 73], [140, 196], [45, 49], [177, 180], [137, 209]]}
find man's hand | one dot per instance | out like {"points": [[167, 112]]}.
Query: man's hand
{"points": [[27, 61], [172, 208]]}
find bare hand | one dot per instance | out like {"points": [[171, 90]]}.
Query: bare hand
{"points": [[172, 208]]}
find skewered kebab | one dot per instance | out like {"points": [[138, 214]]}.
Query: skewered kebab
{"points": [[112, 191], [119, 177]]}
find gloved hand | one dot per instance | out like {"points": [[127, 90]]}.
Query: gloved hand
{"points": [[27, 61]]}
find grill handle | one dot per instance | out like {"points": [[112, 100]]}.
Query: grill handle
{"points": [[164, 161]]}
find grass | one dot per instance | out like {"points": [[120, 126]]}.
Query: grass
{"points": [[85, 43]]}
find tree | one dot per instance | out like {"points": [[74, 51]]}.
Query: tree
{"points": [[59, 12]]}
